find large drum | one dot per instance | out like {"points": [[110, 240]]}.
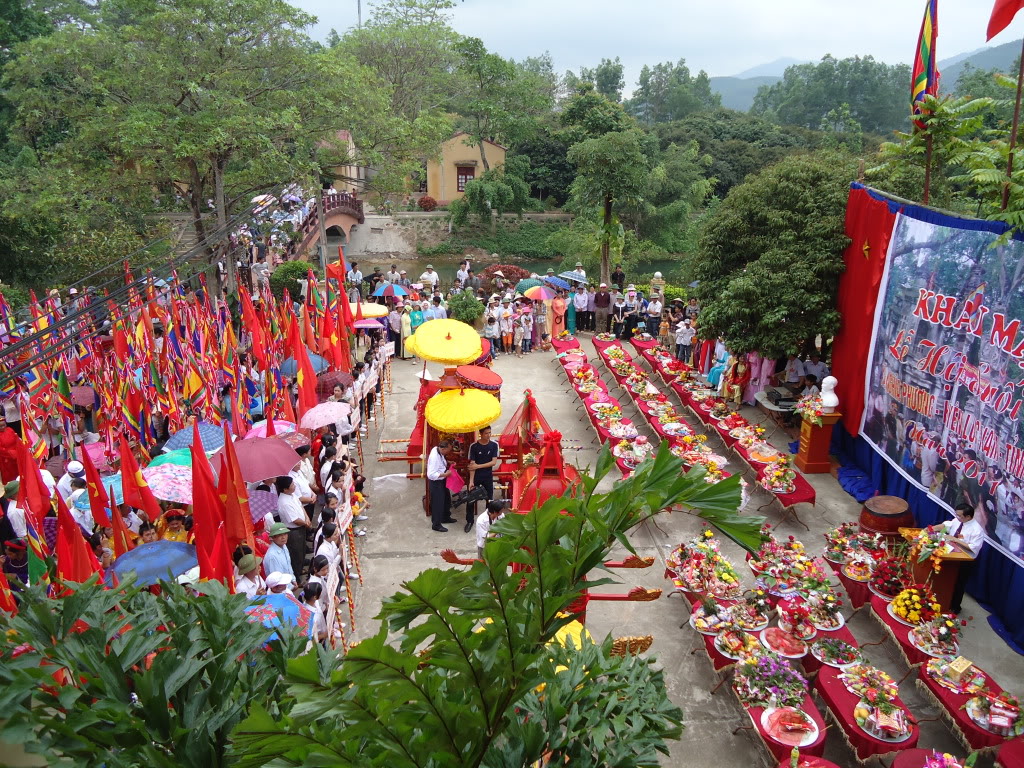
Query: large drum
{"points": [[885, 515]]}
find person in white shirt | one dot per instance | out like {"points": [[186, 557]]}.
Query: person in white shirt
{"points": [[462, 274], [968, 532], [289, 508], [495, 510], [684, 341], [793, 374], [814, 365], [354, 278], [393, 275], [328, 545], [437, 475], [811, 388], [277, 557], [304, 469], [654, 309], [580, 299], [440, 313], [580, 270], [430, 277], [74, 469], [311, 595], [248, 581]]}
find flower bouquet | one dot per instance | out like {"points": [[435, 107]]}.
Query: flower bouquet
{"points": [[915, 605], [810, 409], [605, 337], [706, 571], [795, 619], [944, 760], [837, 541], [835, 653], [938, 637], [1000, 714], [564, 336], [696, 443], [890, 577], [765, 680], [930, 544], [970, 682]]}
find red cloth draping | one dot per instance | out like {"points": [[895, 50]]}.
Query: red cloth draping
{"points": [[808, 761], [563, 345], [900, 631], [642, 345], [782, 751], [912, 758], [953, 703], [857, 591], [842, 703], [1011, 754], [869, 225]]}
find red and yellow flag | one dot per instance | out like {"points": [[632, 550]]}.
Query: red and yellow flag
{"points": [[1002, 14], [925, 78]]}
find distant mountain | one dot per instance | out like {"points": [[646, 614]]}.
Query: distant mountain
{"points": [[774, 69], [1001, 57], [738, 92]]}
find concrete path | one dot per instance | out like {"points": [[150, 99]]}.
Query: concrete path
{"points": [[400, 544]]}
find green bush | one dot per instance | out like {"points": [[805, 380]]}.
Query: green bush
{"points": [[673, 292], [288, 275], [465, 307], [443, 248]]}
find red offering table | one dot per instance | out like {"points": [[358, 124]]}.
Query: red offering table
{"points": [[782, 751], [857, 591], [562, 345], [912, 758], [841, 704], [602, 345], [1011, 754], [899, 632], [972, 736], [642, 345]]}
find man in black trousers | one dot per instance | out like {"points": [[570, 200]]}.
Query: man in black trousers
{"points": [[440, 498], [483, 456]]}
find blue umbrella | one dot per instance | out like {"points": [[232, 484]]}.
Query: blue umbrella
{"points": [[390, 290], [290, 367], [557, 282], [113, 485], [153, 562], [211, 435], [276, 609]]}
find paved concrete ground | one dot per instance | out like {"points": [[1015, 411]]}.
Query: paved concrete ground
{"points": [[400, 544]]}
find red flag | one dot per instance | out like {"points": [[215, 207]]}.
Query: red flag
{"points": [[255, 327], [216, 564], [7, 602], [207, 510], [99, 501], [75, 560], [1002, 14], [287, 411], [134, 486], [359, 308], [330, 343], [271, 430], [122, 538], [235, 498], [305, 377], [33, 495]]}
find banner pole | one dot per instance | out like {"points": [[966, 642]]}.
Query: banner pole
{"points": [[1013, 132]]}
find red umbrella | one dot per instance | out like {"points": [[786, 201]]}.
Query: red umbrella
{"points": [[260, 458], [294, 439], [326, 382]]}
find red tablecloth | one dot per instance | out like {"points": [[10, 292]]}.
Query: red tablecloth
{"points": [[812, 665], [566, 344], [912, 758], [899, 631], [1011, 754], [782, 751], [975, 736], [600, 345], [841, 703], [642, 345]]}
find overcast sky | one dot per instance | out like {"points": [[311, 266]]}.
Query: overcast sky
{"points": [[723, 37]]}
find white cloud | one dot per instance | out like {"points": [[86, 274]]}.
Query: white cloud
{"points": [[723, 37]]}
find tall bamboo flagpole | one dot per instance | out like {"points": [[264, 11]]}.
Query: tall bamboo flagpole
{"points": [[1013, 131]]}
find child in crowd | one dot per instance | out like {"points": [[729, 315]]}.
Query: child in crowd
{"points": [[518, 337], [492, 334], [527, 321]]}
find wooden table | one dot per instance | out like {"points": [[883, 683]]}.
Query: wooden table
{"points": [[944, 581]]}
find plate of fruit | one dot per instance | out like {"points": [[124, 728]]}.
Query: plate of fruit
{"points": [[784, 644], [835, 653], [857, 570], [789, 726]]}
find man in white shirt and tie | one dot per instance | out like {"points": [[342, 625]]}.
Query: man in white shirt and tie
{"points": [[968, 532], [437, 474]]}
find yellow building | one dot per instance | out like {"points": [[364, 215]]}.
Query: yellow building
{"points": [[460, 163]]}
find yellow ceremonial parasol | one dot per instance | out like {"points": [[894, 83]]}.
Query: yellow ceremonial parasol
{"points": [[450, 342], [369, 309], [409, 343], [462, 410]]}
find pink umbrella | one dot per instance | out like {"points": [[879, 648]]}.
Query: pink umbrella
{"points": [[259, 429], [294, 439], [83, 395], [539, 293], [368, 323], [324, 414], [259, 458], [97, 452], [170, 482]]}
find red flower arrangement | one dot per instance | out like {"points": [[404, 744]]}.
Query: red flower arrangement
{"points": [[891, 576]]}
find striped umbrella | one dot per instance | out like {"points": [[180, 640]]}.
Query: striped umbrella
{"points": [[539, 293]]}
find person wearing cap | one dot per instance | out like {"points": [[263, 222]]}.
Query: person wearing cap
{"points": [[403, 279], [74, 470], [430, 277], [248, 581], [15, 562], [277, 557], [653, 314], [684, 340], [580, 270], [174, 520], [277, 582]]}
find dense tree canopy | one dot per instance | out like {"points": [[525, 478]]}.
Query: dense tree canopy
{"points": [[668, 91], [875, 92], [770, 256]]}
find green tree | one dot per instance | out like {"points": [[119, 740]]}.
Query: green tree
{"points": [[975, 83], [502, 189], [668, 92], [143, 679], [549, 172], [875, 92], [450, 678], [588, 114], [498, 99], [841, 130], [770, 256], [607, 78], [612, 172]]}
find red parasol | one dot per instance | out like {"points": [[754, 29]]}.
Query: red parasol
{"points": [[477, 377], [260, 458], [326, 382]]}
